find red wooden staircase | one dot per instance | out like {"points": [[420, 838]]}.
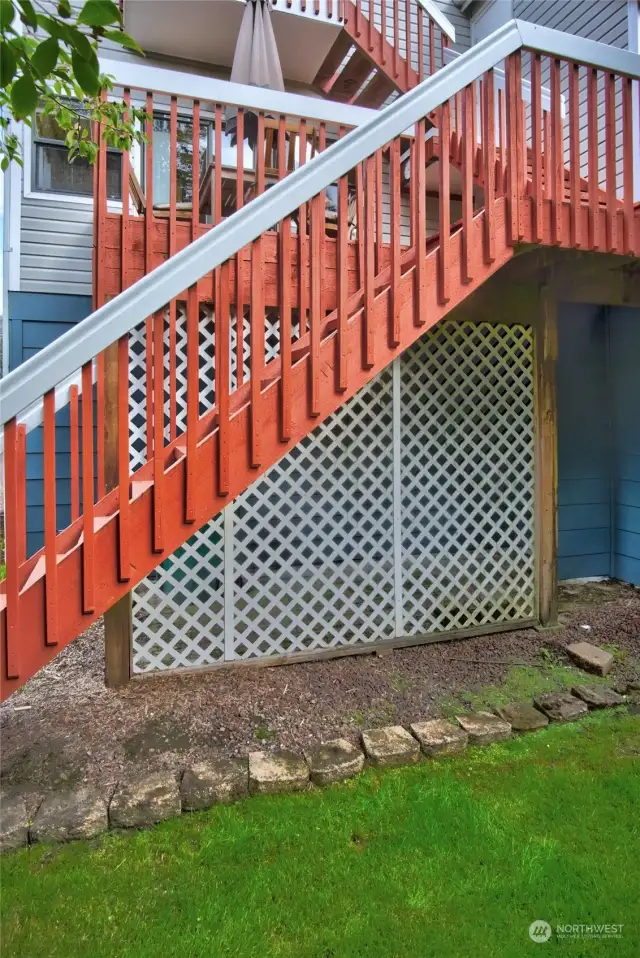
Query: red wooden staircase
{"points": [[375, 55], [348, 325]]}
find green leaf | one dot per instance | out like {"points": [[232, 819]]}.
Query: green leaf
{"points": [[99, 13], [7, 64], [6, 14], [54, 28], [45, 58], [119, 36], [28, 13], [85, 75], [81, 43], [24, 96], [64, 9]]}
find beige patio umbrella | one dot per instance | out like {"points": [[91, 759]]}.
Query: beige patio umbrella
{"points": [[255, 62]]}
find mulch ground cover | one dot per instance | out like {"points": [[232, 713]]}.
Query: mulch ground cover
{"points": [[64, 727]]}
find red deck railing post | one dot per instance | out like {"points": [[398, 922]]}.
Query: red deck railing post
{"points": [[467, 188], [420, 219], [14, 518], [395, 212], [536, 142]]}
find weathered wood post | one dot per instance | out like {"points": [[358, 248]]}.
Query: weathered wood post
{"points": [[118, 619], [546, 354]]}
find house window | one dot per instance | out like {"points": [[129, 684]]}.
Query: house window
{"points": [[52, 171], [184, 162]]}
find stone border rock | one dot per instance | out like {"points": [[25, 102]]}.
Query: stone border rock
{"points": [[85, 812]]}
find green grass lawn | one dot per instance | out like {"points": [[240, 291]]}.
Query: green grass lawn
{"points": [[451, 858]]}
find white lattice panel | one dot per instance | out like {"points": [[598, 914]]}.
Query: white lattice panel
{"points": [[311, 559], [313, 539], [178, 611], [467, 478]]}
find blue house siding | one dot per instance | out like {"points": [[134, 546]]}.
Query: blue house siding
{"points": [[625, 400], [35, 320], [584, 445]]}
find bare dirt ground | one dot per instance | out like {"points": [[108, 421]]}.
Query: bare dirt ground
{"points": [[64, 727]]}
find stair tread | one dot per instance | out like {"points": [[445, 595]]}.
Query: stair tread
{"points": [[348, 81], [333, 60]]}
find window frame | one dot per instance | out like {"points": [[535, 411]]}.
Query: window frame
{"points": [[161, 112], [32, 191]]}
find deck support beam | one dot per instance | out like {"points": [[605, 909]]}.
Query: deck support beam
{"points": [[546, 451], [118, 623]]}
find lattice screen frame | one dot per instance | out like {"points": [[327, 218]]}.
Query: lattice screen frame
{"points": [[207, 605]]}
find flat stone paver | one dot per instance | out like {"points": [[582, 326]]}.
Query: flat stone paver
{"points": [[560, 706], [71, 815], [218, 781], [484, 728], [14, 824], [390, 747], [334, 761], [439, 737], [598, 696], [590, 657], [523, 716], [280, 772], [146, 801]]}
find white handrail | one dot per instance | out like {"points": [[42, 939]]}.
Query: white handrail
{"points": [[27, 384], [144, 76]]}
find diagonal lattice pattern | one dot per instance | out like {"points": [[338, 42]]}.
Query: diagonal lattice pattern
{"points": [[178, 610], [467, 478], [310, 556], [313, 539]]}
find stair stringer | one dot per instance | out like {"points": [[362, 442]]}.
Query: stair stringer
{"points": [[366, 39]]}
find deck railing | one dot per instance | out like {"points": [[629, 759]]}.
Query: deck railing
{"points": [[521, 166]]}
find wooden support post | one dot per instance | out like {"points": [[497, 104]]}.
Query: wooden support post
{"points": [[118, 619], [546, 353]]}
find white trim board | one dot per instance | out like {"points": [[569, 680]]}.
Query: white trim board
{"points": [[12, 213], [212, 90]]}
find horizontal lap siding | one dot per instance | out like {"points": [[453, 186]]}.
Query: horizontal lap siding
{"points": [[34, 322], [584, 486], [605, 22], [625, 386], [56, 240]]}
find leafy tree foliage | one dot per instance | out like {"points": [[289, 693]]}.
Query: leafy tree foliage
{"points": [[49, 59]]}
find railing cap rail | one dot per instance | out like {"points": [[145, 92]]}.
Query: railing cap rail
{"points": [[26, 385], [146, 76]]}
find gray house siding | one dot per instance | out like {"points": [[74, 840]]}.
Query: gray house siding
{"points": [[56, 240], [460, 21], [605, 21], [602, 20]]}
